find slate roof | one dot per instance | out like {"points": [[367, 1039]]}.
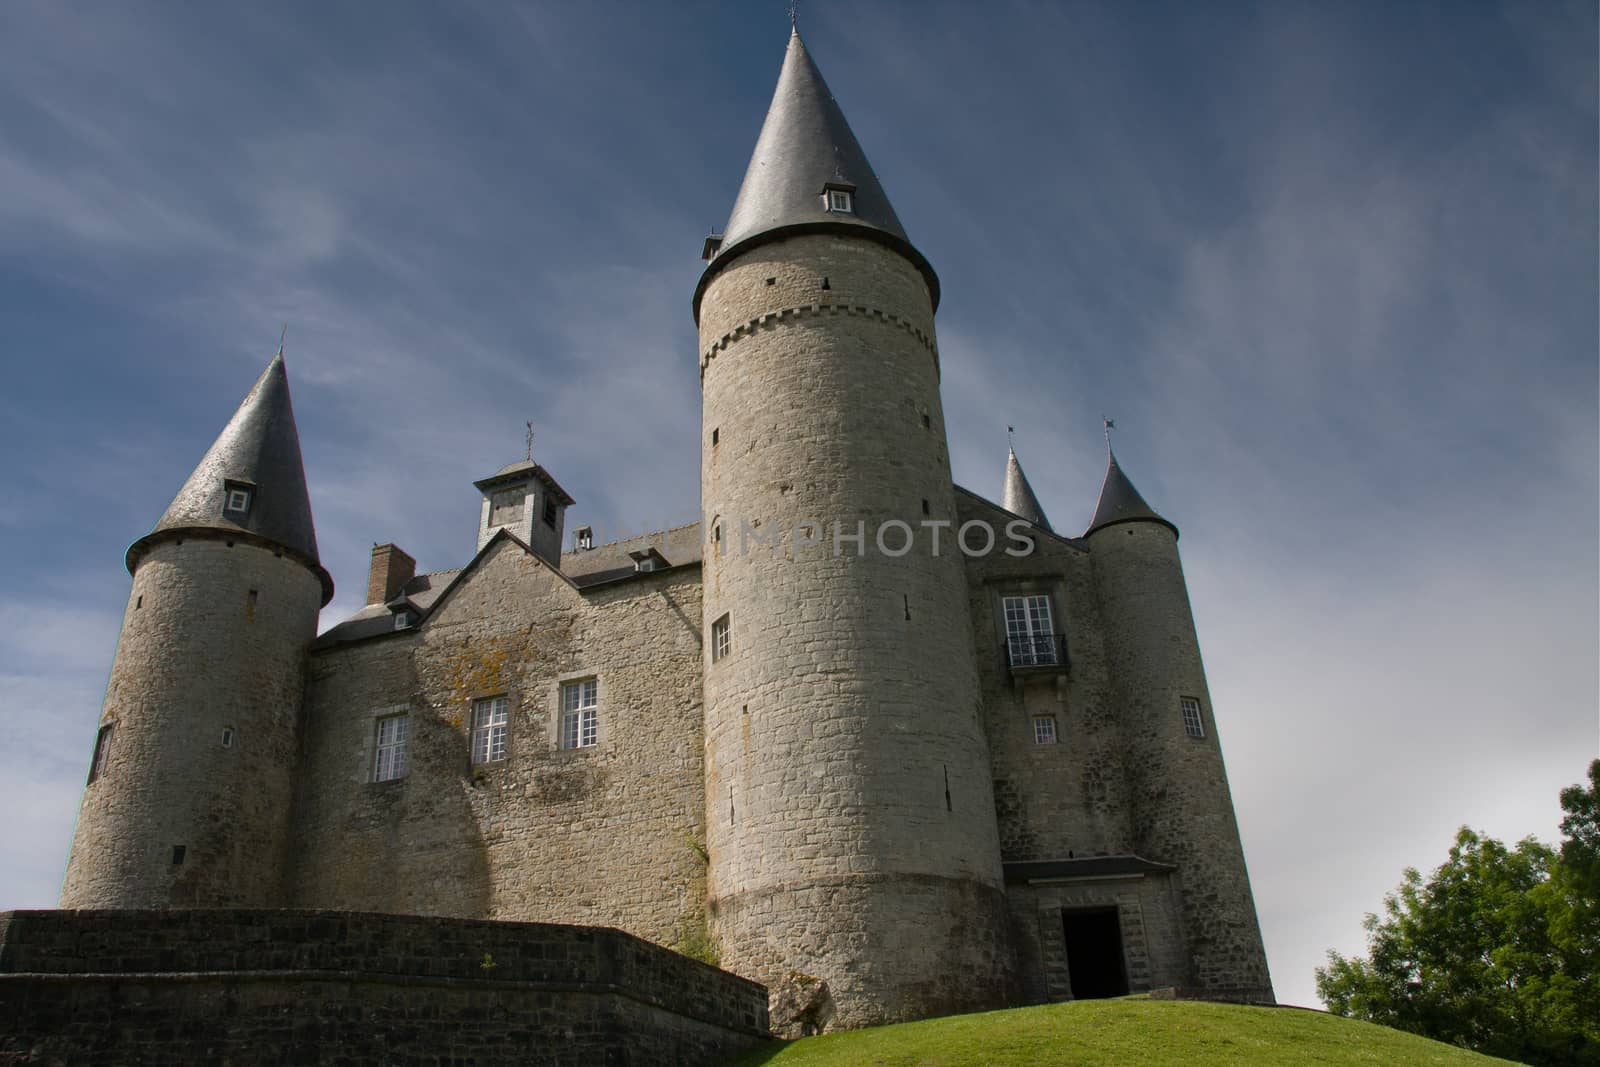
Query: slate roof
{"points": [[260, 449], [1017, 495], [806, 143], [1121, 502], [518, 471]]}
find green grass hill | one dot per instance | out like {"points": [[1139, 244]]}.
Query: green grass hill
{"points": [[1119, 1033]]}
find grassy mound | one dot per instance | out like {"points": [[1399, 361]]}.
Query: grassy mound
{"points": [[1118, 1033]]}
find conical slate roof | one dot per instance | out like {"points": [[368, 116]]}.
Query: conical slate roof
{"points": [[1017, 496], [1121, 502], [806, 143], [258, 450]]}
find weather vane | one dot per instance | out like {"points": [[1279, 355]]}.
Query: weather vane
{"points": [[794, 15], [1111, 424], [530, 441], [284, 333], [1009, 431]]}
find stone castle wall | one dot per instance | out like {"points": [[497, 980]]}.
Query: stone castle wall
{"points": [[610, 834], [192, 807], [246, 987], [1180, 804], [1069, 797], [848, 794]]}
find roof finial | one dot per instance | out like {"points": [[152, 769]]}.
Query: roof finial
{"points": [[530, 441], [794, 16], [1110, 424], [284, 333], [1009, 431]]}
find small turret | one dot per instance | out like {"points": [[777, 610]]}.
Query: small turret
{"points": [[190, 783], [1182, 808], [525, 501], [1017, 496]]}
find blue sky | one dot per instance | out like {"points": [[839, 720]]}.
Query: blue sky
{"points": [[1331, 267]]}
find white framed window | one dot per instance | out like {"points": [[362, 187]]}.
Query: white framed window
{"points": [[1044, 729], [721, 640], [102, 752], [402, 619], [1030, 636], [841, 201], [580, 713], [1192, 723], [394, 733], [490, 719]]}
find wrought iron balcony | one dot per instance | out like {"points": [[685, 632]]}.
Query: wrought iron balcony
{"points": [[1036, 650]]}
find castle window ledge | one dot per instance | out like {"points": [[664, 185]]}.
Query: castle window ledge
{"points": [[1030, 654]]}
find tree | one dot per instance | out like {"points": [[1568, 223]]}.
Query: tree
{"points": [[1496, 951]]}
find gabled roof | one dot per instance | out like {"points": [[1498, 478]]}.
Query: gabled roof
{"points": [[806, 144], [258, 450], [1121, 502], [1017, 495]]}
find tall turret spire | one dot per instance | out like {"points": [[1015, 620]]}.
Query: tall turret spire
{"points": [[1017, 497], [808, 174], [1120, 501], [251, 482]]}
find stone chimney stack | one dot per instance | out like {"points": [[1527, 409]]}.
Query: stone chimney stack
{"points": [[391, 569]]}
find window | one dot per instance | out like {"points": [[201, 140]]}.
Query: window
{"points": [[102, 752], [549, 510], [402, 619], [721, 640], [841, 201], [1191, 717], [393, 732], [227, 737], [583, 540], [580, 713], [235, 499], [1030, 641], [1044, 729], [506, 506], [489, 718]]}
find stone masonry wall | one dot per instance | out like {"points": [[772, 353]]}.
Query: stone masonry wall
{"points": [[1052, 800], [609, 834], [288, 988], [848, 793], [203, 702], [1182, 809]]}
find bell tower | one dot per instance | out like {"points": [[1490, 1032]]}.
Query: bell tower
{"points": [[849, 800]]}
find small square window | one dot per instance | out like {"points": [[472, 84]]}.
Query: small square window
{"points": [[841, 201], [1192, 724], [549, 510], [102, 752], [227, 737], [490, 722], [236, 499], [394, 731], [721, 640], [583, 540], [580, 713], [1044, 729]]}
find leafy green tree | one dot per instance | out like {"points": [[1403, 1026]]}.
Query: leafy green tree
{"points": [[1496, 951]]}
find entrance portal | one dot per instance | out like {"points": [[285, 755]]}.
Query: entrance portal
{"points": [[1094, 953]]}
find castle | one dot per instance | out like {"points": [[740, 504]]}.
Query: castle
{"points": [[890, 747]]}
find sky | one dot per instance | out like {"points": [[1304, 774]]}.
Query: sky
{"points": [[1331, 267]]}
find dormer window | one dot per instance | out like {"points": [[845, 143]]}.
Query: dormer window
{"points": [[583, 539], [839, 198], [402, 619], [236, 499], [646, 560]]}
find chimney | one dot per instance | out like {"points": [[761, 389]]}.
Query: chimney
{"points": [[391, 569]]}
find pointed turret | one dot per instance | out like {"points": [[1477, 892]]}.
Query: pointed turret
{"points": [[1120, 501], [1017, 496], [251, 482], [808, 174]]}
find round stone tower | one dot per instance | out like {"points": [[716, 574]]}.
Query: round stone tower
{"points": [[189, 791], [1182, 809], [850, 813]]}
